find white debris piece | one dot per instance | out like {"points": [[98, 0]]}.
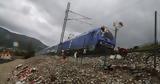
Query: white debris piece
{"points": [[18, 66], [118, 56], [75, 55], [112, 57]]}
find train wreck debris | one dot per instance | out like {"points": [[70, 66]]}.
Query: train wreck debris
{"points": [[52, 70], [97, 41]]}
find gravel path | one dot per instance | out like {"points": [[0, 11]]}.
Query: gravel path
{"points": [[6, 68]]}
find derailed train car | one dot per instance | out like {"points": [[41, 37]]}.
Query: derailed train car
{"points": [[97, 41]]}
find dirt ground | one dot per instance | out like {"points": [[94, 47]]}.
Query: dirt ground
{"points": [[55, 70], [6, 68]]}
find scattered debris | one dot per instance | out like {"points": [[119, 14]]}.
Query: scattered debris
{"points": [[48, 69]]}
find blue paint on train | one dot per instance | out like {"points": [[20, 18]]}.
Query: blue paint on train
{"points": [[89, 40], [96, 41]]}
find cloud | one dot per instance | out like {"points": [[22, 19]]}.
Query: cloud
{"points": [[43, 19], [23, 16]]}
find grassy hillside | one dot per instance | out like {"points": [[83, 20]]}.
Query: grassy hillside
{"points": [[147, 47]]}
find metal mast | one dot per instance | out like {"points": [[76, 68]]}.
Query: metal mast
{"points": [[116, 29], [155, 39], [65, 22], [117, 26]]}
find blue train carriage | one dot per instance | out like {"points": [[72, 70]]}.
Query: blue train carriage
{"points": [[97, 41], [49, 50]]}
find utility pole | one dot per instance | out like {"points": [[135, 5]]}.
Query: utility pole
{"points": [[116, 30], [65, 22], [155, 40], [117, 26], [64, 27]]}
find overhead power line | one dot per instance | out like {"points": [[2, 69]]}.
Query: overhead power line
{"points": [[79, 14], [83, 22]]}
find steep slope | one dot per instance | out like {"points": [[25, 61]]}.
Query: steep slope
{"points": [[7, 38]]}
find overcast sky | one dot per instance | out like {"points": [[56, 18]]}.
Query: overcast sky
{"points": [[43, 19]]}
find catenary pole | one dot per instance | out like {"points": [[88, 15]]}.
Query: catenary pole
{"points": [[155, 39]]}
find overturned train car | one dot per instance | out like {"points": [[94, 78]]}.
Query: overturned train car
{"points": [[97, 41]]}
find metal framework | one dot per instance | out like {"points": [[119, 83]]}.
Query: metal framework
{"points": [[66, 19]]}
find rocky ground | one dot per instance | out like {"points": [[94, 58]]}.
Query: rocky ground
{"points": [[53, 69], [6, 67]]}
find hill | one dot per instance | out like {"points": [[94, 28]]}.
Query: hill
{"points": [[7, 38]]}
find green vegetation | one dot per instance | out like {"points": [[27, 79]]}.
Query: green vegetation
{"points": [[146, 47], [30, 51]]}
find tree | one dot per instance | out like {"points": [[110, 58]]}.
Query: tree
{"points": [[136, 47], [30, 51]]}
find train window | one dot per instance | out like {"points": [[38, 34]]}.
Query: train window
{"points": [[104, 29], [108, 35]]}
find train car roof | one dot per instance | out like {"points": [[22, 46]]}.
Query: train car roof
{"points": [[84, 33]]}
